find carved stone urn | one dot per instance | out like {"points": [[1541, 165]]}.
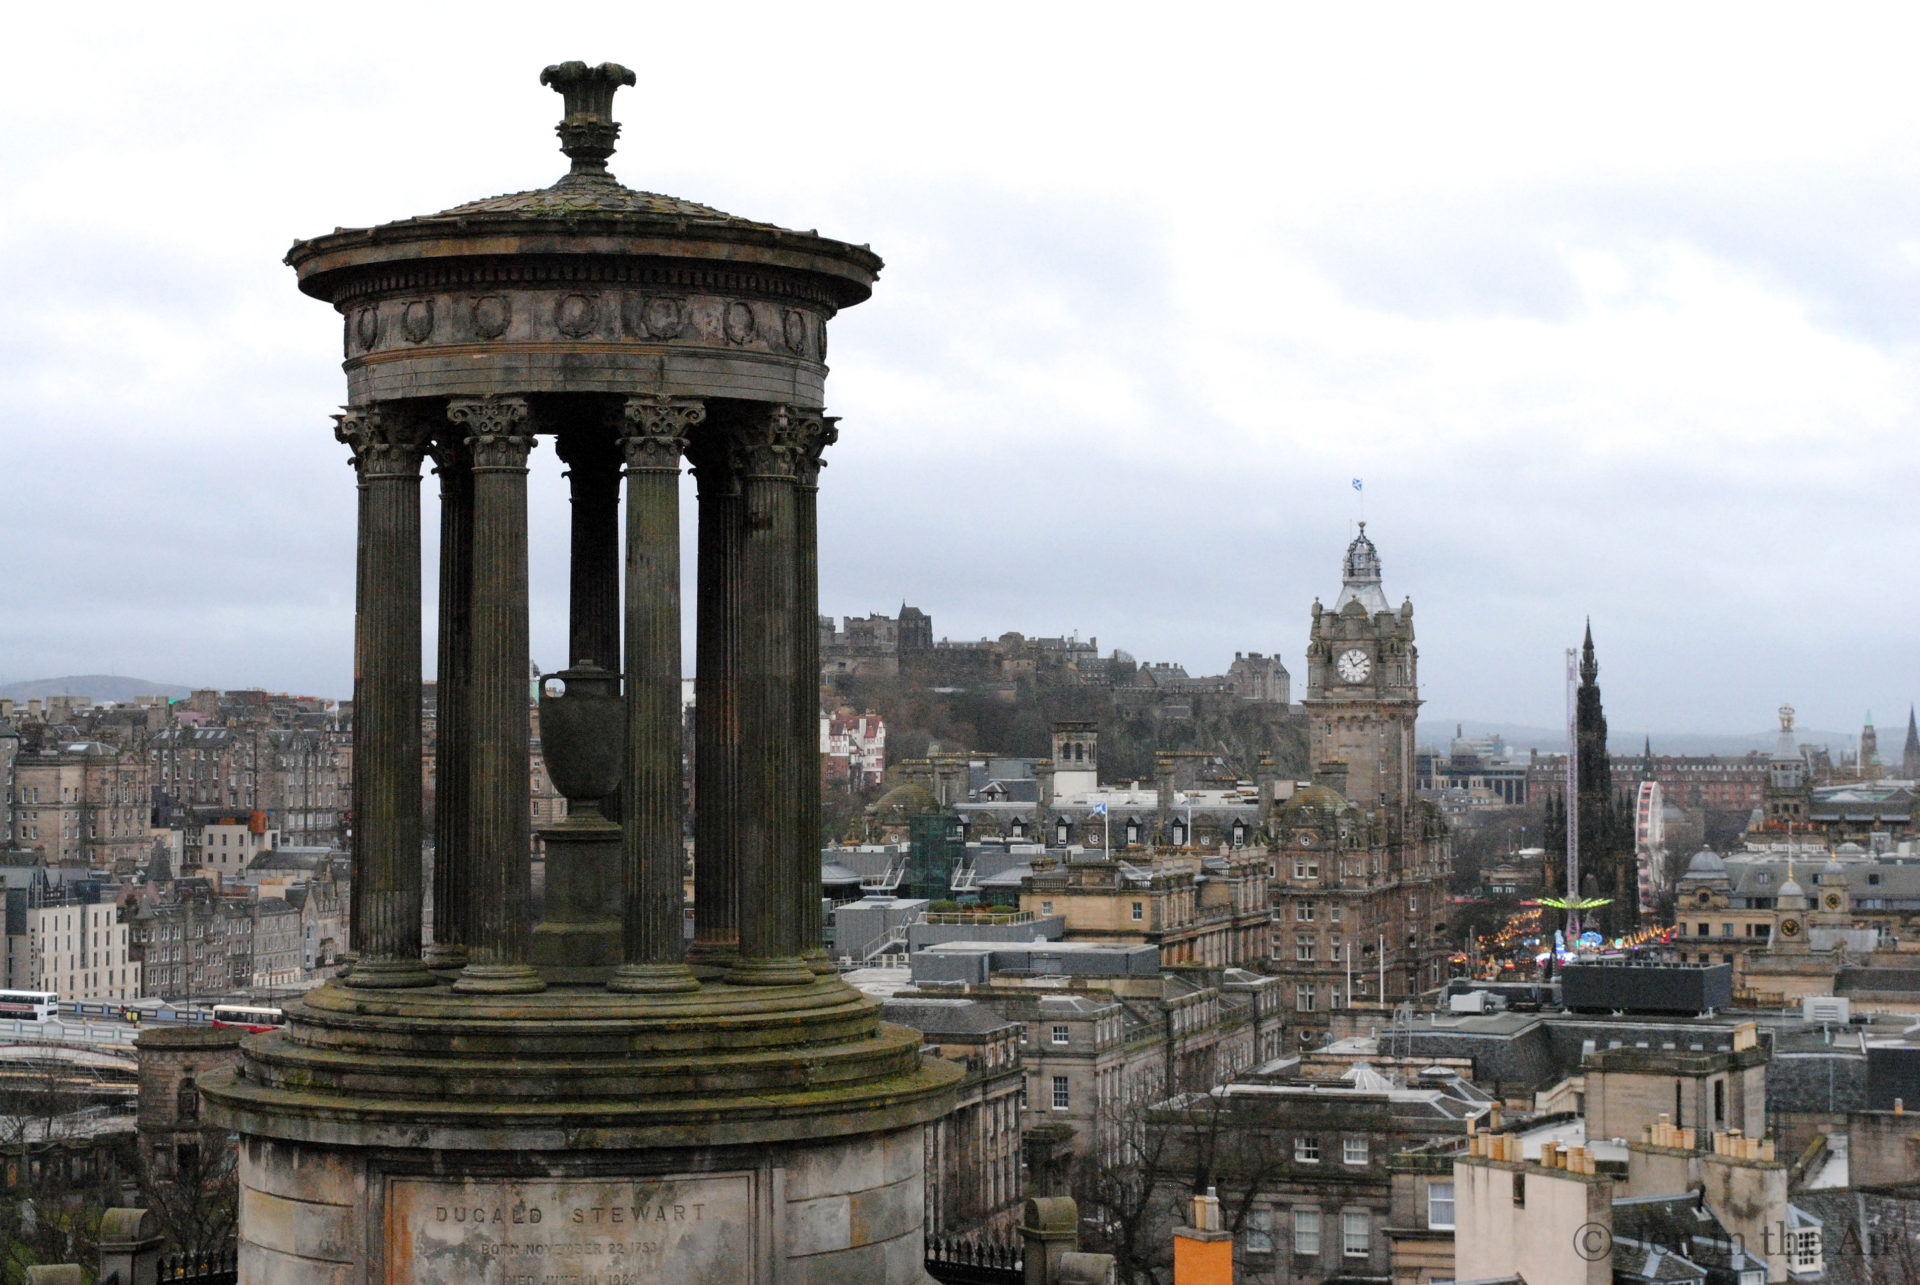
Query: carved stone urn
{"points": [[583, 735], [583, 740]]}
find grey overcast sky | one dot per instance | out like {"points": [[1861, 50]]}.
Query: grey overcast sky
{"points": [[1611, 307]]}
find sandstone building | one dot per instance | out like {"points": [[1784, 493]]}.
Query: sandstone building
{"points": [[1358, 862]]}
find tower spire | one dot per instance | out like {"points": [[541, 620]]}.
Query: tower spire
{"points": [[1589, 667]]}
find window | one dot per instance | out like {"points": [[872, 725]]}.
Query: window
{"points": [[1060, 1100], [1333, 913], [1726, 930], [1303, 950], [1060, 829], [1440, 1204], [1306, 1151], [1303, 911], [1059, 1035], [1046, 907], [1700, 930], [1306, 1232], [1259, 1231], [1873, 880], [1133, 833], [1804, 1248], [1353, 1151], [1720, 1102], [1333, 950], [1306, 868], [1353, 1234], [1139, 911], [1520, 1191], [1303, 999]]}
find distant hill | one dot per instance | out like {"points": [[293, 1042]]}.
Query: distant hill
{"points": [[96, 687], [1438, 732]]}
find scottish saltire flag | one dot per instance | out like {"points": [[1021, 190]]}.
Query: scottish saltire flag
{"points": [[1356, 484], [1099, 809]]}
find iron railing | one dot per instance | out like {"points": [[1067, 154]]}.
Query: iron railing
{"points": [[208, 1267], [971, 1262]]}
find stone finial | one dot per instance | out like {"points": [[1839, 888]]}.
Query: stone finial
{"points": [[588, 130]]}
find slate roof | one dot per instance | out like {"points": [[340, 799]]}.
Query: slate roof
{"points": [[1906, 980], [1898, 887], [1633, 1261], [578, 194], [944, 1016]]}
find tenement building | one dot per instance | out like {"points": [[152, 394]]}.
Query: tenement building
{"points": [[1359, 863], [579, 1090]]}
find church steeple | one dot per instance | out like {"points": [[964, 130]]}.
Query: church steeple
{"points": [[1910, 754], [1589, 667]]}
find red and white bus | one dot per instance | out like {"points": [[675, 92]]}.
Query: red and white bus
{"points": [[253, 1019], [29, 1006]]}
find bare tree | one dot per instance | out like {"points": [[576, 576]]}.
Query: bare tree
{"points": [[58, 1168], [1151, 1152], [194, 1190]]}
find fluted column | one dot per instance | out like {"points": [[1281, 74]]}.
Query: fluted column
{"points": [[385, 930], [713, 452], [763, 576], [593, 474], [653, 435], [452, 768], [814, 433], [499, 438]]}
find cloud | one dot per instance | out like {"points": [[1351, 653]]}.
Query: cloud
{"points": [[1613, 318]]}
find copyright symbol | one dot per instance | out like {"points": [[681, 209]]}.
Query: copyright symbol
{"points": [[1593, 1242]]}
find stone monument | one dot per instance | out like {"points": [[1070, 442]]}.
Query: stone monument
{"points": [[586, 1099]]}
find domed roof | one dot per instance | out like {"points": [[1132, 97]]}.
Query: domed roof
{"points": [[1833, 867], [912, 799], [1792, 888], [1706, 864], [1316, 796], [1360, 576], [1852, 850], [588, 212]]}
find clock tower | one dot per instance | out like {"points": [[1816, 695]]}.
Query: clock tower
{"points": [[1363, 685]]}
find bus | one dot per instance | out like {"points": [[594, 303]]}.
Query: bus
{"points": [[29, 1006], [251, 1018]]}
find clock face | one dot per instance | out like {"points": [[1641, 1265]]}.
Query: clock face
{"points": [[1788, 928], [1355, 665], [1833, 901]]}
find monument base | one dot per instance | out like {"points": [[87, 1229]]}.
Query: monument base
{"points": [[844, 1210], [583, 1137]]}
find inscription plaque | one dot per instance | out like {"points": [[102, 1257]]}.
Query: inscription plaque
{"points": [[573, 1231]]}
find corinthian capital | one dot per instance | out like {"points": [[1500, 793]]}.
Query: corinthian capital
{"points": [[653, 431], [813, 433], [384, 444], [769, 443], [497, 431]]}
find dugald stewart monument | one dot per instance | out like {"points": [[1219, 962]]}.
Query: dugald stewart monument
{"points": [[585, 1097]]}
